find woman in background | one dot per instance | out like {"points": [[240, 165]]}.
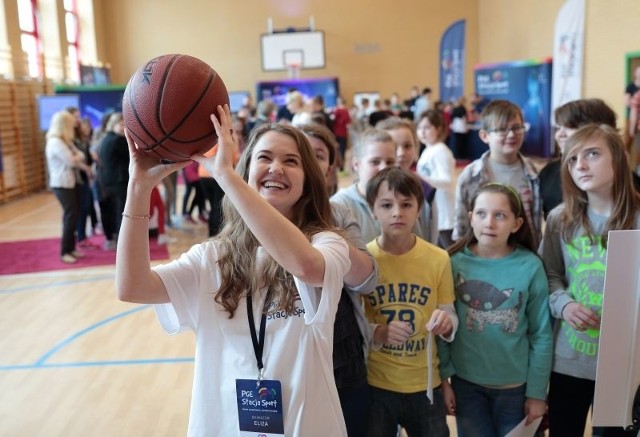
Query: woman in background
{"points": [[64, 162], [113, 173]]}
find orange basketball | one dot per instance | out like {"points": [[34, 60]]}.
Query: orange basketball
{"points": [[168, 103]]}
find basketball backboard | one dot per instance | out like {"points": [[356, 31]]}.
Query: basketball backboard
{"points": [[283, 49]]}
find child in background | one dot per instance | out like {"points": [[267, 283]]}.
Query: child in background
{"points": [[500, 361], [436, 166], [374, 151], [407, 146], [413, 301], [403, 134], [503, 129], [326, 148], [598, 197], [341, 122], [156, 219], [569, 118], [211, 189], [352, 332], [192, 184]]}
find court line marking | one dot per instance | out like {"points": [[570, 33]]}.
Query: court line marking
{"points": [[42, 363], [67, 341], [40, 287], [177, 360]]}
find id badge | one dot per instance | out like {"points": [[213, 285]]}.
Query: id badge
{"points": [[260, 407]]}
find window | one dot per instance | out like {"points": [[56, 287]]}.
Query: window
{"points": [[29, 36], [73, 37]]}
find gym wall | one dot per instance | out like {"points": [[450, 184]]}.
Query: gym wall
{"points": [[385, 46]]}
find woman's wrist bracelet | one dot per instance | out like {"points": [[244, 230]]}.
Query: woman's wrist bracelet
{"points": [[136, 217]]}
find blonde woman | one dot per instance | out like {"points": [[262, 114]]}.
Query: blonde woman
{"points": [[64, 161]]}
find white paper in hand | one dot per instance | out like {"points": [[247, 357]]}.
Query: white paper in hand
{"points": [[522, 430]]}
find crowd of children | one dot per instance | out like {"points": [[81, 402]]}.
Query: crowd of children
{"points": [[424, 295]]}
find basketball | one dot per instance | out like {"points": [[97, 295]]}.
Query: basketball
{"points": [[167, 106]]}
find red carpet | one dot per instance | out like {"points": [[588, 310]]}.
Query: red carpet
{"points": [[30, 256]]}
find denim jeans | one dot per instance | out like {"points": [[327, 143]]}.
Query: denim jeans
{"points": [[487, 412], [412, 411]]}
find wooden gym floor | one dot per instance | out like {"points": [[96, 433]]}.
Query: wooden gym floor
{"points": [[75, 361]]}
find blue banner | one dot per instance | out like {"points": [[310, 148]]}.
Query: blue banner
{"points": [[526, 83], [452, 62]]}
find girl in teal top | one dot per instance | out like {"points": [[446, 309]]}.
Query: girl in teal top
{"points": [[500, 360]]}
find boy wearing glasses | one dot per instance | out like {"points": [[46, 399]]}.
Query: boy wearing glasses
{"points": [[503, 129]]}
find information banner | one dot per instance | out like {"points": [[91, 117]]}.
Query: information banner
{"points": [[568, 48], [452, 56], [526, 83]]}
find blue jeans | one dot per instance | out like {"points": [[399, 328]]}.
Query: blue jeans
{"points": [[487, 412], [412, 411]]}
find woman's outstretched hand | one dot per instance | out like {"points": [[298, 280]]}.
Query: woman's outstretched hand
{"points": [[223, 161], [147, 169]]}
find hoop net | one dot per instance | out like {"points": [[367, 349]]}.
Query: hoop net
{"points": [[294, 70]]}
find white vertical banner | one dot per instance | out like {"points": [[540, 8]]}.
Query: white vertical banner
{"points": [[568, 49], [618, 371]]}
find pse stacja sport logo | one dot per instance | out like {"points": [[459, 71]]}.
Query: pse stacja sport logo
{"points": [[267, 394], [493, 82]]}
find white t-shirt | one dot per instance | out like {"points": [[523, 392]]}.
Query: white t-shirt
{"points": [[297, 351], [438, 164], [301, 118]]}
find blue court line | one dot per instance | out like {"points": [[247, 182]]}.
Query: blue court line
{"points": [[98, 363], [43, 286], [41, 363], [64, 343]]}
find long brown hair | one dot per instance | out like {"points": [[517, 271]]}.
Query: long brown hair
{"points": [[239, 247], [626, 202], [522, 237]]}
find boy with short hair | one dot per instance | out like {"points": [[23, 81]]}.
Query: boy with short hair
{"points": [[374, 151], [412, 302], [503, 130]]}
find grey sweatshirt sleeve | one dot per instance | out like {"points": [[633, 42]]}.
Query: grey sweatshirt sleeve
{"points": [[551, 253], [345, 220], [461, 218]]}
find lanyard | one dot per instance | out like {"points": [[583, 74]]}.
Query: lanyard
{"points": [[258, 344]]}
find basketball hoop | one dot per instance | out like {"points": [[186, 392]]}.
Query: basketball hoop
{"points": [[294, 70]]}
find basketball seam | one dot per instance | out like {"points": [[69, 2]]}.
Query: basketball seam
{"points": [[139, 121], [167, 135]]}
